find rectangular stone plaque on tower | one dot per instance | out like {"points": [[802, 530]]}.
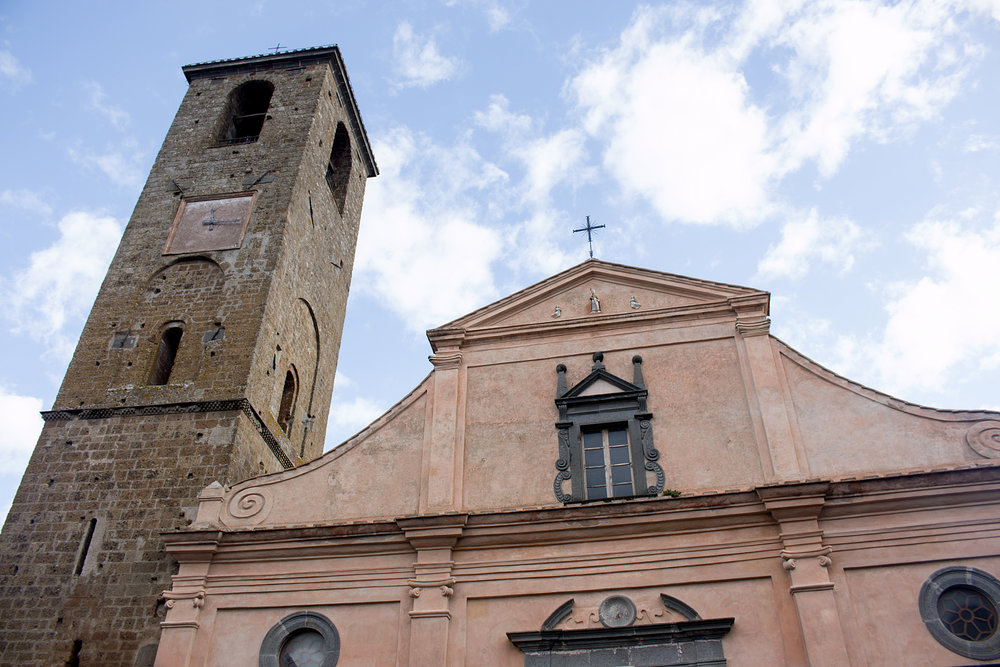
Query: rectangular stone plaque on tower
{"points": [[216, 222]]}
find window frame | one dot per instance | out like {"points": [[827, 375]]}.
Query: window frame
{"points": [[941, 582], [580, 412], [279, 634]]}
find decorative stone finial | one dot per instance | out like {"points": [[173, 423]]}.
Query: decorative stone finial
{"points": [[637, 372], [598, 359]]}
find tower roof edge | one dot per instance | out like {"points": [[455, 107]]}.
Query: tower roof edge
{"points": [[291, 59]]}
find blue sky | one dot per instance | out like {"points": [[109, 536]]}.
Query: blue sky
{"points": [[844, 156]]}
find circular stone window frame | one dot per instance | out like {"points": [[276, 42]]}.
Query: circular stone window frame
{"points": [[274, 640], [951, 577]]}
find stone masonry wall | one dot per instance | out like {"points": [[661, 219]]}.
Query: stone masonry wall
{"points": [[137, 477]]}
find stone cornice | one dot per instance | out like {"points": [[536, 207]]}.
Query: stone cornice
{"points": [[705, 512]]}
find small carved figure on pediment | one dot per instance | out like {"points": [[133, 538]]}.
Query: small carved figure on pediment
{"points": [[595, 303]]}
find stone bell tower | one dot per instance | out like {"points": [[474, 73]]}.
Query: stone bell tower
{"points": [[210, 353]]}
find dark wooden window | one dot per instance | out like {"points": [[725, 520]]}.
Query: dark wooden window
{"points": [[286, 409], [165, 355], [607, 463], [338, 169], [245, 113]]}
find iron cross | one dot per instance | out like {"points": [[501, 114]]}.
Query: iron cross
{"points": [[211, 222], [276, 48], [589, 228]]}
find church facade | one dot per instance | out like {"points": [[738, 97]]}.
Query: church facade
{"points": [[612, 466]]}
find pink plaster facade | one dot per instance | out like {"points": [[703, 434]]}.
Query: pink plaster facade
{"points": [[811, 509]]}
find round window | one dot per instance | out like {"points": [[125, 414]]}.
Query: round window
{"points": [[968, 613], [959, 606], [303, 649]]}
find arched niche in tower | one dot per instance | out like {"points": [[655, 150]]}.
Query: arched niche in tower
{"points": [[298, 352], [338, 169], [188, 291], [245, 112]]}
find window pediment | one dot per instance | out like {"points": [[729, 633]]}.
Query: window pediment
{"points": [[605, 437]]}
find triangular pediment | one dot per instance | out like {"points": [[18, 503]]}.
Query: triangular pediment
{"points": [[600, 387], [619, 290], [600, 383]]}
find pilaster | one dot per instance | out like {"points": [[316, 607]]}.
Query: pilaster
{"points": [[441, 454], [185, 600], [796, 508], [432, 585], [767, 390]]}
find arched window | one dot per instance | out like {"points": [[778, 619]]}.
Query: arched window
{"points": [[165, 355], [286, 409], [338, 169], [245, 112], [302, 638]]}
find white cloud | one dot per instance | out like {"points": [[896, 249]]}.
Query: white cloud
{"points": [[945, 318], [499, 118], [60, 282], [497, 16], [97, 101], [351, 416], [420, 231], [341, 381], [22, 424], [804, 242], [683, 128], [12, 73], [123, 166], [977, 143], [942, 327], [550, 161], [27, 200], [534, 250], [860, 68], [678, 127], [417, 60], [546, 161]]}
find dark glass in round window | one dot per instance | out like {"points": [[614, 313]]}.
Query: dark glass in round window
{"points": [[967, 613], [303, 649]]}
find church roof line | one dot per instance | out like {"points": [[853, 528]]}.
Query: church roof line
{"points": [[579, 268], [714, 299], [885, 399]]}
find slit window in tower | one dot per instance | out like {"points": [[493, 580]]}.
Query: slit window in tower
{"points": [[165, 356], [287, 407]]}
